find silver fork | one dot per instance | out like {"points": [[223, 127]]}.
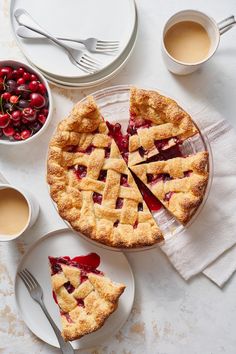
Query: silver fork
{"points": [[36, 293], [93, 45], [78, 57]]}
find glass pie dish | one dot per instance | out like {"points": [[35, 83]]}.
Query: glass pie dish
{"points": [[114, 103]]}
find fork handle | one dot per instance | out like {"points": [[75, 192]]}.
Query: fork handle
{"points": [[37, 29], [66, 347]]}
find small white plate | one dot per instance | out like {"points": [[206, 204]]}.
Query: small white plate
{"points": [[66, 243], [103, 19]]}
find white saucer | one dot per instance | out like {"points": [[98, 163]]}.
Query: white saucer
{"points": [[61, 243], [103, 19]]}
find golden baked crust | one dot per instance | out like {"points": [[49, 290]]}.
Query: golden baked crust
{"points": [[179, 183], [86, 308], [160, 123], [81, 143]]}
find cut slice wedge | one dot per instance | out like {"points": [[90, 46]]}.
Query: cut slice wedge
{"points": [[85, 296], [179, 183], [156, 123]]}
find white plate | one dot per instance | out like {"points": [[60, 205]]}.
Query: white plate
{"points": [[103, 19], [100, 77], [66, 243]]}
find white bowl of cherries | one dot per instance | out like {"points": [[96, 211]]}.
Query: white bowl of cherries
{"points": [[25, 103]]}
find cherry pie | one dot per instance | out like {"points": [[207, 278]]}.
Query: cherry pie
{"points": [[86, 298], [92, 185], [179, 183]]}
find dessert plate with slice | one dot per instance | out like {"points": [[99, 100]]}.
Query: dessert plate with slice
{"points": [[88, 291], [128, 185]]}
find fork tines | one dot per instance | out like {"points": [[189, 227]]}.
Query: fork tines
{"points": [[28, 279]]}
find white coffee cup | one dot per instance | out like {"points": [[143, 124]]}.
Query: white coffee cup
{"points": [[33, 207], [214, 31]]}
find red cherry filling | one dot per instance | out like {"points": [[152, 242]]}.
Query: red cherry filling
{"points": [[140, 206], [97, 198], [86, 264], [172, 152], [116, 223], [80, 302], [69, 287], [121, 140], [151, 201], [102, 175], [161, 144], [119, 203], [67, 316], [88, 150], [54, 297], [107, 152], [136, 123], [187, 173], [168, 196], [124, 180], [152, 179], [80, 171], [135, 224]]}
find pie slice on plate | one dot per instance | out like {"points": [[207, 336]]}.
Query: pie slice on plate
{"points": [[92, 185], [85, 296], [156, 123], [179, 183]]}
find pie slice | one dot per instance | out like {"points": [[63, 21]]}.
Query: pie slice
{"points": [[92, 185], [156, 123], [85, 296], [179, 183]]}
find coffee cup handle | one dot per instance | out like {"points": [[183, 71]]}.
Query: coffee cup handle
{"points": [[226, 24]]}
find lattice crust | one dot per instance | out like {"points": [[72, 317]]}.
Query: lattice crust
{"points": [[167, 124], [178, 183], [120, 218], [85, 309]]}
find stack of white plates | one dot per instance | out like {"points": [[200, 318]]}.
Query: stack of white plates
{"points": [[104, 19]]}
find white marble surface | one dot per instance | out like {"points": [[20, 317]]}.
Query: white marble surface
{"points": [[170, 316]]}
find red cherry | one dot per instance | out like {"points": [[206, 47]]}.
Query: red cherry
{"points": [[20, 71], [16, 123], [16, 115], [33, 86], [1, 133], [24, 121], [8, 131], [26, 76], [14, 74], [37, 100], [29, 114], [33, 77], [6, 96], [17, 136], [25, 134], [21, 81], [42, 89], [2, 84], [42, 118], [44, 111], [14, 99], [6, 71], [4, 120]]}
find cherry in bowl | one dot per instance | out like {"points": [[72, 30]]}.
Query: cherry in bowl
{"points": [[25, 103]]}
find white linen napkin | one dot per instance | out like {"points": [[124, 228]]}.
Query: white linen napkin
{"points": [[209, 244]]}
